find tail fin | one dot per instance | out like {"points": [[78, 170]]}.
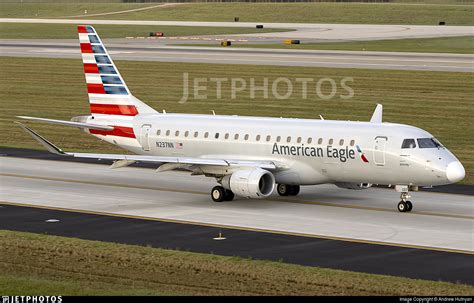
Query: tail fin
{"points": [[108, 93]]}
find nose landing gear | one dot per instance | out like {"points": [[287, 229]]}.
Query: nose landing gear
{"points": [[405, 205]]}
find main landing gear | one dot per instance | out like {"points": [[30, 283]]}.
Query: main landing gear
{"points": [[288, 190], [220, 194], [405, 205]]}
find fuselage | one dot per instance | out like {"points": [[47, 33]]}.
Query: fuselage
{"points": [[311, 151]]}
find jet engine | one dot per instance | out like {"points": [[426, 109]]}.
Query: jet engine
{"points": [[256, 183], [355, 186]]}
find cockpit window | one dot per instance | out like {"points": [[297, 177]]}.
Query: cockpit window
{"points": [[428, 143], [409, 143]]}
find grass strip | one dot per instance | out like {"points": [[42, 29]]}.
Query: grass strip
{"points": [[35, 264]]}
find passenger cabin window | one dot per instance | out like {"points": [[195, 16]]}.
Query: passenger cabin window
{"points": [[352, 142], [246, 137], [298, 140], [341, 142], [176, 133], [236, 136], [331, 141], [428, 143], [168, 132], [310, 140], [269, 138], [226, 136], [206, 135], [409, 143], [186, 133], [216, 136], [195, 134], [278, 138], [158, 132], [257, 138], [320, 141], [288, 139]]}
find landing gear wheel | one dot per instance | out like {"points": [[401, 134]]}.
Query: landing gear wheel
{"points": [[288, 190], [409, 206], [402, 206], [218, 193], [229, 195], [283, 189], [294, 190]]}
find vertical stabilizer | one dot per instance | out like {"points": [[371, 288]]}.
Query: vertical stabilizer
{"points": [[108, 92]]}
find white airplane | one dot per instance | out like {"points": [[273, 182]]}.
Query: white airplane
{"points": [[250, 156]]}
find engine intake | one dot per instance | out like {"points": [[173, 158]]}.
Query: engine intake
{"points": [[256, 183], [356, 186]]}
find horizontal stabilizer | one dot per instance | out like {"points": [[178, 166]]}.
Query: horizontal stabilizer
{"points": [[68, 123]]}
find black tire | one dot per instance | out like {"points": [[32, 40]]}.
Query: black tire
{"points": [[402, 207], [229, 195], [409, 206], [283, 189], [294, 190], [218, 193]]}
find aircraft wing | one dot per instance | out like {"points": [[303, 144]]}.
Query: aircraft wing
{"points": [[129, 159]]}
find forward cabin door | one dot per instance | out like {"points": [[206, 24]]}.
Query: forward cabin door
{"points": [[144, 137], [379, 150]]}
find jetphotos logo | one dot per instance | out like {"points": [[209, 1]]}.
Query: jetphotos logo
{"points": [[342, 154], [281, 88], [31, 299]]}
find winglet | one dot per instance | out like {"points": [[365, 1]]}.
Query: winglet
{"points": [[48, 145], [377, 115]]}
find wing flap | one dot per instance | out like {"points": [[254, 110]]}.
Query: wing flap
{"points": [[177, 160]]}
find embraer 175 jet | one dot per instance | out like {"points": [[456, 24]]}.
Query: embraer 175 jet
{"points": [[250, 156]]}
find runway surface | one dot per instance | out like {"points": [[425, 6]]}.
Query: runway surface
{"points": [[151, 50], [438, 222], [302, 30]]}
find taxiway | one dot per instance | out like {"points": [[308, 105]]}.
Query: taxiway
{"points": [[152, 50]]}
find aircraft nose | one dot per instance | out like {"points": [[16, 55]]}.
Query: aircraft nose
{"points": [[455, 172]]}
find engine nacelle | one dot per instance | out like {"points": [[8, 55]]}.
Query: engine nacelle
{"points": [[355, 186], [256, 183]]}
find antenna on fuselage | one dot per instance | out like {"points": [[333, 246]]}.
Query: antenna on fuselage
{"points": [[377, 115], [213, 113], [164, 112], [320, 116]]}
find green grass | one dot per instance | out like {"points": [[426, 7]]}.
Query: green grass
{"points": [[25, 284], [59, 10], [459, 45], [33, 264], [264, 12], [69, 31], [441, 103]]}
